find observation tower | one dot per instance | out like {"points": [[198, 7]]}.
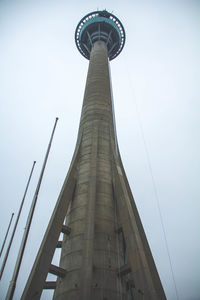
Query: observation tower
{"points": [[104, 251]]}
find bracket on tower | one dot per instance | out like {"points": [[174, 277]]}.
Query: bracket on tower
{"points": [[124, 270], [66, 229], [50, 285], [60, 272]]}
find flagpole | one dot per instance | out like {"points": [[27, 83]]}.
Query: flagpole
{"points": [[13, 281], [6, 234], [16, 222]]}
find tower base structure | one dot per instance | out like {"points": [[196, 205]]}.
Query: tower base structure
{"points": [[105, 254]]}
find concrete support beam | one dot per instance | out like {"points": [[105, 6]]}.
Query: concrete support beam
{"points": [[50, 285], [59, 244], [124, 270], [65, 229], [60, 272]]}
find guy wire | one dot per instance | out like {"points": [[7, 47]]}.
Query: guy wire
{"points": [[152, 178]]}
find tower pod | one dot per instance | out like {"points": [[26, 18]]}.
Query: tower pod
{"points": [[100, 26]]}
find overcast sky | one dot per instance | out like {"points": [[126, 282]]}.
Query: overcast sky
{"points": [[155, 81]]}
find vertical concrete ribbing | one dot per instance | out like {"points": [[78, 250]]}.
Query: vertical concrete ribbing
{"points": [[89, 254]]}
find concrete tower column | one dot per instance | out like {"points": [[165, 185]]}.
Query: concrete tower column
{"points": [[92, 252]]}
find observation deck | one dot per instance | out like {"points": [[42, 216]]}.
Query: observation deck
{"points": [[100, 26]]}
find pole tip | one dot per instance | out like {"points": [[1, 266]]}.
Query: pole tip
{"points": [[57, 118]]}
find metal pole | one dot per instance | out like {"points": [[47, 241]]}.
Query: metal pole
{"points": [[6, 234], [16, 222], [12, 285]]}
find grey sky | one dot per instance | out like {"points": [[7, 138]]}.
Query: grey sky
{"points": [[156, 96]]}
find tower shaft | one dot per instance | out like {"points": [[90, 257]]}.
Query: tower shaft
{"points": [[95, 253], [92, 253]]}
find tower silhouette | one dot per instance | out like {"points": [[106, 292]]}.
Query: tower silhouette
{"points": [[105, 254]]}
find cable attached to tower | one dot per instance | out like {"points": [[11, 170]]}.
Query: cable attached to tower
{"points": [[153, 179]]}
